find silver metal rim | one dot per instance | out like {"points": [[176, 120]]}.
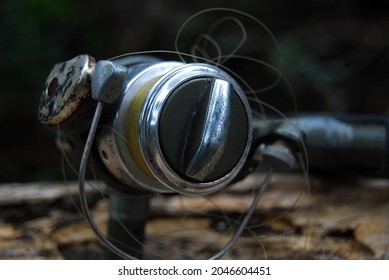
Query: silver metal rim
{"points": [[121, 125], [149, 123]]}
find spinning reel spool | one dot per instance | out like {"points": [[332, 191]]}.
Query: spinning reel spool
{"points": [[152, 126], [167, 126]]}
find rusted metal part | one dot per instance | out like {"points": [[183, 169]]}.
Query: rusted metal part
{"points": [[68, 84]]}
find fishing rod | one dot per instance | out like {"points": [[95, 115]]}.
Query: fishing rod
{"points": [[146, 126]]}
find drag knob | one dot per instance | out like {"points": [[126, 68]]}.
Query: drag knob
{"points": [[203, 129], [196, 130]]}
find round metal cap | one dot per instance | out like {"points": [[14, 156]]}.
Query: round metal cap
{"points": [[195, 129], [203, 129]]}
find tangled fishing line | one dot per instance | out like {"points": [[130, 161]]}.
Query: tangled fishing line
{"points": [[205, 49]]}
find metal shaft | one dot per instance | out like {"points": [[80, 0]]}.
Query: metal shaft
{"points": [[126, 228]]}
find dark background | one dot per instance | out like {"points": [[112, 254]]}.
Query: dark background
{"points": [[334, 53]]}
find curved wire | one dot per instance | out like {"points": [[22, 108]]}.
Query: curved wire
{"points": [[81, 178], [246, 218], [101, 235]]}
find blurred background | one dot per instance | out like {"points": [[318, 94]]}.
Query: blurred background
{"points": [[334, 53]]}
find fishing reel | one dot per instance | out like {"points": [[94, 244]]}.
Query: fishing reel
{"points": [[151, 126], [166, 126], [148, 126]]}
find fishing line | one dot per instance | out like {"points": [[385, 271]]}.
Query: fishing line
{"points": [[222, 9], [82, 172], [217, 61], [209, 39], [247, 217], [101, 235]]}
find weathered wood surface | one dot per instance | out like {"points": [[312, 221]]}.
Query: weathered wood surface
{"points": [[336, 220]]}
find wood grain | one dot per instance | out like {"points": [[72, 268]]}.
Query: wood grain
{"points": [[334, 220]]}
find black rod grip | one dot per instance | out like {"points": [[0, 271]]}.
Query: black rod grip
{"points": [[346, 144]]}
